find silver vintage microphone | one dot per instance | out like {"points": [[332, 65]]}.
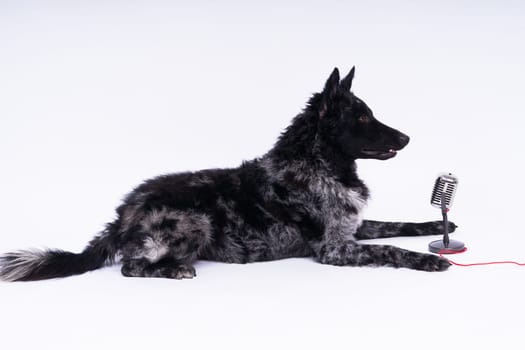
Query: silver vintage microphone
{"points": [[442, 198]]}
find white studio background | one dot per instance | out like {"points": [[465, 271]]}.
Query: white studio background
{"points": [[96, 96]]}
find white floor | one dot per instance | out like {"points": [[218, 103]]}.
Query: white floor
{"points": [[97, 96]]}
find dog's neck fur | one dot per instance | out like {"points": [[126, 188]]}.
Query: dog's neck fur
{"points": [[301, 150]]}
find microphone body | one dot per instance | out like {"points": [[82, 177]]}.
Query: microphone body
{"points": [[442, 197], [445, 186]]}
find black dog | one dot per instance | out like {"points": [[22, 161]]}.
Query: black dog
{"points": [[303, 198]]}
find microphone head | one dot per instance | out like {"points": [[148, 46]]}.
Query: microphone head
{"points": [[446, 184]]}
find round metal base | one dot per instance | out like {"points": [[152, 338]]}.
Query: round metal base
{"points": [[453, 247]]}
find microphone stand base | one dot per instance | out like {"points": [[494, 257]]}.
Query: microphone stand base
{"points": [[453, 247]]}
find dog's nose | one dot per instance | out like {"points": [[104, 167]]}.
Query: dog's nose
{"points": [[403, 140]]}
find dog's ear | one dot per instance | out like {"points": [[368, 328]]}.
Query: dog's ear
{"points": [[346, 83], [332, 84], [330, 90]]}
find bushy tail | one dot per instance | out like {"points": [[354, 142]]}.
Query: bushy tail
{"points": [[32, 265]]}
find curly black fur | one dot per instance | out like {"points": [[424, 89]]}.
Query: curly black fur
{"points": [[302, 198]]}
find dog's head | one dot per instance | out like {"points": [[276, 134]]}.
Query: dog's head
{"points": [[348, 125]]}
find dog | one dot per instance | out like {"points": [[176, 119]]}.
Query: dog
{"points": [[303, 198]]}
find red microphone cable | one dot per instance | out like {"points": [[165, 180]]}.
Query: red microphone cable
{"points": [[444, 251]]}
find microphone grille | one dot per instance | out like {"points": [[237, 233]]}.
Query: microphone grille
{"points": [[446, 184]]}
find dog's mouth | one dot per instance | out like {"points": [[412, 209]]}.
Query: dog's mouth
{"points": [[379, 154]]}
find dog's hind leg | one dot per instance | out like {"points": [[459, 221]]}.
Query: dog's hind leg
{"points": [[165, 268], [353, 254], [158, 258], [165, 243], [377, 229]]}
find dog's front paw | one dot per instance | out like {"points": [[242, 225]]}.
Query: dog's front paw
{"points": [[433, 263]]}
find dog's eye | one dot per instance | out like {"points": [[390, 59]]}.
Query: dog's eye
{"points": [[363, 118]]}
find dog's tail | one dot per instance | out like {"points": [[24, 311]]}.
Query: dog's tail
{"points": [[32, 265]]}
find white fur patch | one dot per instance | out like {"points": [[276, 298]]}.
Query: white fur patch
{"points": [[154, 250], [19, 264]]}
